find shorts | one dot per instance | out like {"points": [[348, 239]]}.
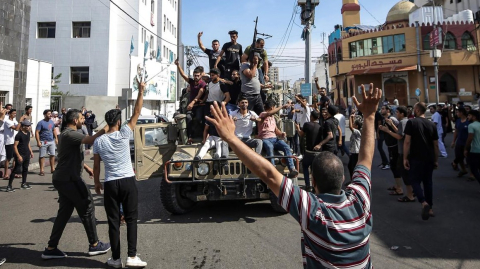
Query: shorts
{"points": [[47, 146], [9, 151]]}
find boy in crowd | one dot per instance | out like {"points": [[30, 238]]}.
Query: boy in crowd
{"points": [[23, 153]]}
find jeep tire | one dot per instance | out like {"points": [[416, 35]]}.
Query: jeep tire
{"points": [[173, 200]]}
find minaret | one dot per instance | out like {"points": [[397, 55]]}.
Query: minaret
{"points": [[350, 13]]}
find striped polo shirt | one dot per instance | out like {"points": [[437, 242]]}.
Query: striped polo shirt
{"points": [[114, 149], [335, 228]]}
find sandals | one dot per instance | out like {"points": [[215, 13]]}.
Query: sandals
{"points": [[454, 166], [41, 174], [405, 199], [392, 189], [395, 193], [425, 212]]}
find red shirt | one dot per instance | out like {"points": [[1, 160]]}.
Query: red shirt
{"points": [[267, 128], [195, 88]]}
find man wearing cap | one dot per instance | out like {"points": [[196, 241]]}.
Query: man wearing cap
{"points": [[259, 45], [23, 154], [251, 84], [46, 141], [232, 51]]}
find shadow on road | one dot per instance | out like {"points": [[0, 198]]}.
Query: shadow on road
{"points": [[19, 255]]}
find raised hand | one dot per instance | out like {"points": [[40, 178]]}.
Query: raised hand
{"points": [[370, 100], [222, 121], [200, 34]]}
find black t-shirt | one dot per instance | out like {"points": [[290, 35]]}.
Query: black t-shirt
{"points": [[423, 132], [70, 156], [212, 57], [23, 141], [232, 54], [329, 126], [378, 117], [212, 131], [312, 135], [234, 91], [391, 141]]}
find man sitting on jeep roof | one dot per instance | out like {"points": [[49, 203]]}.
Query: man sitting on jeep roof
{"points": [[244, 119]]}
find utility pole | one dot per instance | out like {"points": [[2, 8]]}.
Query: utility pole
{"points": [[436, 53], [325, 61], [307, 17]]}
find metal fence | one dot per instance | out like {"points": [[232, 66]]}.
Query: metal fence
{"points": [[56, 103]]}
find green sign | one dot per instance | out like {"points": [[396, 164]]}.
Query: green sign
{"points": [[432, 87]]}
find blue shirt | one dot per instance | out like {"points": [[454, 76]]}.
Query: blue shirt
{"points": [[462, 129], [46, 130]]}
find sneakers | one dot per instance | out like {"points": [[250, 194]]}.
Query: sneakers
{"points": [[293, 173], [100, 248], [385, 167], [300, 157], [135, 262], [53, 254], [115, 263], [26, 186], [9, 189]]}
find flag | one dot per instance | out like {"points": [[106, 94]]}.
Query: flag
{"points": [[159, 56], [171, 57], [144, 59], [131, 46], [146, 49]]}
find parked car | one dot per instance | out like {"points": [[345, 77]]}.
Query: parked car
{"points": [[428, 115]]}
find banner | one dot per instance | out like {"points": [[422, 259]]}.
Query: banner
{"points": [[157, 78]]}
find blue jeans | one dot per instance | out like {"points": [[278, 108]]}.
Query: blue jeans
{"points": [[271, 144]]}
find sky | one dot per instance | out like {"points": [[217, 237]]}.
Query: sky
{"points": [[216, 18]]}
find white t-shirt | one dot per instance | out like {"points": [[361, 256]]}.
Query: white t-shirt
{"points": [[395, 102], [215, 92], [437, 118], [114, 149], [243, 124], [303, 115], [341, 122], [9, 134]]}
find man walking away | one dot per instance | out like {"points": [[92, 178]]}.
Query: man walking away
{"points": [[244, 120], [342, 123], [311, 132], [420, 157], [437, 119], [335, 224], [120, 184], [232, 51], [23, 152], [355, 124], [251, 85], [473, 143], [46, 140], [460, 140], [73, 192]]}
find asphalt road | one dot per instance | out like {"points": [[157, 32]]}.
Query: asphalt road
{"points": [[251, 235]]}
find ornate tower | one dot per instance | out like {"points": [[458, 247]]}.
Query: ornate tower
{"points": [[350, 13]]}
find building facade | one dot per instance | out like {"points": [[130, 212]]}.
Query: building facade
{"points": [[273, 75], [452, 7], [396, 58], [89, 42], [14, 23]]}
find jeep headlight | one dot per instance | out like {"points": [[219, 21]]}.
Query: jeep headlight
{"points": [[203, 169]]}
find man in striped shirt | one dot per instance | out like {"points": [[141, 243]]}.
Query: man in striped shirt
{"points": [[335, 224]]}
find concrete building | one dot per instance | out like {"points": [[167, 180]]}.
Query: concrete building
{"points": [[396, 58], [296, 85], [39, 87], [89, 43], [14, 23], [273, 75], [452, 7]]}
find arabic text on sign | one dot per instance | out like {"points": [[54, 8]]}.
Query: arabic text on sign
{"points": [[369, 63]]}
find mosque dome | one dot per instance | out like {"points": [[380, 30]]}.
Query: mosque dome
{"points": [[401, 11]]}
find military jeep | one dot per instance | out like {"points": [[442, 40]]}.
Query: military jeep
{"points": [[161, 152]]}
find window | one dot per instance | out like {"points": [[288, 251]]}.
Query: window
{"points": [[79, 75], [450, 42], [467, 40], [367, 43], [175, 5], [426, 42], [151, 42], [377, 46], [164, 51], [399, 41], [448, 83], [360, 48], [339, 54], [387, 42], [81, 29], [353, 50], [46, 30], [152, 7], [164, 21]]}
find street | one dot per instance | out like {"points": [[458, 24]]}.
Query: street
{"points": [[247, 235]]}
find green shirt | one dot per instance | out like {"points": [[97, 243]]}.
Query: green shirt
{"points": [[474, 128], [263, 55]]}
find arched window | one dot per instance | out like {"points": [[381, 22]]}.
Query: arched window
{"points": [[450, 41], [426, 42], [448, 83], [339, 54], [467, 40]]}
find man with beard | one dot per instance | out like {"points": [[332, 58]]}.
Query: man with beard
{"points": [[263, 63], [324, 100], [232, 51], [197, 88], [251, 84], [234, 89], [217, 91], [212, 54], [329, 128], [244, 120]]}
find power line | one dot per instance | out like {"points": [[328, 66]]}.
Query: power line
{"points": [[369, 12]]}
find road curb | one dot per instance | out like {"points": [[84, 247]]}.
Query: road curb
{"points": [[36, 165]]}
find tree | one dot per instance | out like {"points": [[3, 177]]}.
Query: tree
{"points": [[55, 90]]}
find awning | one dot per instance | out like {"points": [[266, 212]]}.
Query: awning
{"points": [[383, 70]]}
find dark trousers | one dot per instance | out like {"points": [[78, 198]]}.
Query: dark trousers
{"points": [[344, 147], [380, 141], [307, 162], [352, 162], [20, 168], [195, 113], [74, 195], [122, 191], [421, 172], [254, 102], [474, 161], [393, 157], [403, 171], [296, 143], [459, 154]]}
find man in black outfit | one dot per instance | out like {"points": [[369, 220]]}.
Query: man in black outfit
{"points": [[212, 53], [311, 131], [380, 139], [232, 51], [420, 157], [22, 153], [329, 127], [73, 192]]}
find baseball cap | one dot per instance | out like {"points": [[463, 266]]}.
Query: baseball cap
{"points": [[26, 123]]}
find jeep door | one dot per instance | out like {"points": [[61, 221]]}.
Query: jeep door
{"points": [[154, 145]]}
